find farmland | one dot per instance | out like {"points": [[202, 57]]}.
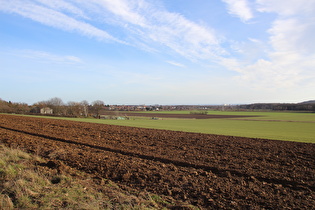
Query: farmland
{"points": [[268, 125], [206, 170]]}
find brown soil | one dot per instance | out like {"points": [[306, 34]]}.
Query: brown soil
{"points": [[210, 171]]}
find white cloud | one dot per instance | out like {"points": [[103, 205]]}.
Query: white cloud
{"points": [[125, 11], [139, 23], [289, 60], [191, 40], [61, 5], [293, 34], [45, 57], [149, 26], [287, 8], [281, 71], [176, 64], [239, 8], [53, 18], [294, 28], [73, 58]]}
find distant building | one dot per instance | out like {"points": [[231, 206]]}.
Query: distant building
{"points": [[46, 110]]}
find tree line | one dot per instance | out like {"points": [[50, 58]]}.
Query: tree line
{"points": [[86, 109], [304, 106], [59, 108]]}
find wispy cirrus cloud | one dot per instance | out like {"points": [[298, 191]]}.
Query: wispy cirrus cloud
{"points": [[191, 40], [176, 64], [61, 5], [140, 24], [48, 14], [153, 28], [120, 11], [46, 57]]}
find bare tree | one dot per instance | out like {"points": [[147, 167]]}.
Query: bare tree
{"points": [[74, 109], [13, 107], [55, 102], [5, 107], [97, 106]]}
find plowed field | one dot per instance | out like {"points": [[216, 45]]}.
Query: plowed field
{"points": [[209, 171]]}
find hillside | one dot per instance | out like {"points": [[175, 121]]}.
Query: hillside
{"points": [[308, 102]]}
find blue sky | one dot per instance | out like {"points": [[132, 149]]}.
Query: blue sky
{"points": [[158, 51]]}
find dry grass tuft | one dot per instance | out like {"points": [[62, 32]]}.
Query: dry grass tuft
{"points": [[26, 182]]}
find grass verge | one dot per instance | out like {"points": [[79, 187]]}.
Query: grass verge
{"points": [[26, 182]]}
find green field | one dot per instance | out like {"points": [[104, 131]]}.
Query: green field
{"points": [[298, 127], [287, 126]]}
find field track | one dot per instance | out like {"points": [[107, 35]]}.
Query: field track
{"points": [[209, 171]]}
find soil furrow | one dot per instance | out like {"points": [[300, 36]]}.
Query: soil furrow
{"points": [[215, 170]]}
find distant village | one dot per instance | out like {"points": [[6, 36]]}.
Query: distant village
{"points": [[57, 107]]}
